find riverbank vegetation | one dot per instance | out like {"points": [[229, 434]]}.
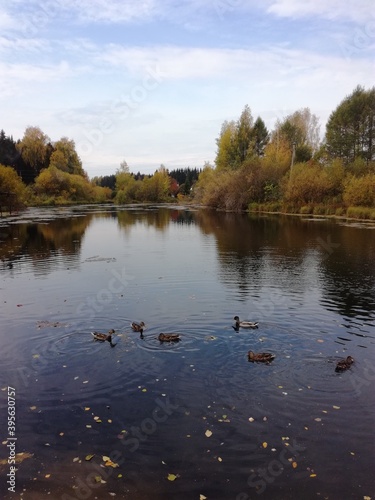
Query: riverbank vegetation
{"points": [[288, 169]]}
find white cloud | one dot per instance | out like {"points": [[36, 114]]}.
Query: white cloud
{"points": [[355, 10]]}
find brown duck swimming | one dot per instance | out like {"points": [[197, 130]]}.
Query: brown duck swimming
{"points": [[138, 327], [344, 364], [244, 324], [262, 357], [102, 337], [169, 337]]}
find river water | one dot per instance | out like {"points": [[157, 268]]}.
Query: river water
{"points": [[193, 419]]}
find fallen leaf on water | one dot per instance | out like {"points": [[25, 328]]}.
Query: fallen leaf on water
{"points": [[61, 434], [294, 465], [208, 433], [108, 462], [47, 476], [76, 378], [89, 457], [109, 421], [36, 356], [312, 475], [366, 498], [318, 419], [324, 411], [172, 477], [251, 419], [19, 457], [88, 426], [85, 382], [112, 494], [75, 459], [32, 407], [144, 390], [320, 340], [119, 475], [202, 497], [336, 407], [98, 479], [306, 428], [352, 453], [264, 444], [87, 408], [220, 459]]}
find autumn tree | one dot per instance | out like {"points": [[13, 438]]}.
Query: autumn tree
{"points": [[244, 140], [65, 157], [226, 146], [35, 149], [301, 131], [11, 182], [350, 130]]}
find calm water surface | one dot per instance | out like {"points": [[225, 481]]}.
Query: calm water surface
{"points": [[222, 427]]}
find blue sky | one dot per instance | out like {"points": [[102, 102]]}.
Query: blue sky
{"points": [[151, 82]]}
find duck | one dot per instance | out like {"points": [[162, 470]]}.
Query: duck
{"points": [[244, 324], [102, 337], [344, 364], [261, 357], [169, 337], [138, 327]]}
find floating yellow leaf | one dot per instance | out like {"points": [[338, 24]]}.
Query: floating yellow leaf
{"points": [[19, 457], [109, 421], [32, 407], [312, 475], [89, 457], [87, 408], [294, 465], [36, 356], [352, 453], [251, 419], [108, 462], [144, 390], [98, 479], [320, 340], [220, 459], [208, 433], [47, 476], [202, 497], [264, 444], [119, 475], [172, 477], [89, 426], [61, 434]]}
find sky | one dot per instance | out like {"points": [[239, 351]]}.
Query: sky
{"points": [[152, 81]]}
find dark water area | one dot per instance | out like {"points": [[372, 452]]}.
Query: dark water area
{"points": [[192, 419]]}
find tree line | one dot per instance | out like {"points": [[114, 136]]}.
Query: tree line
{"points": [[288, 169]]}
